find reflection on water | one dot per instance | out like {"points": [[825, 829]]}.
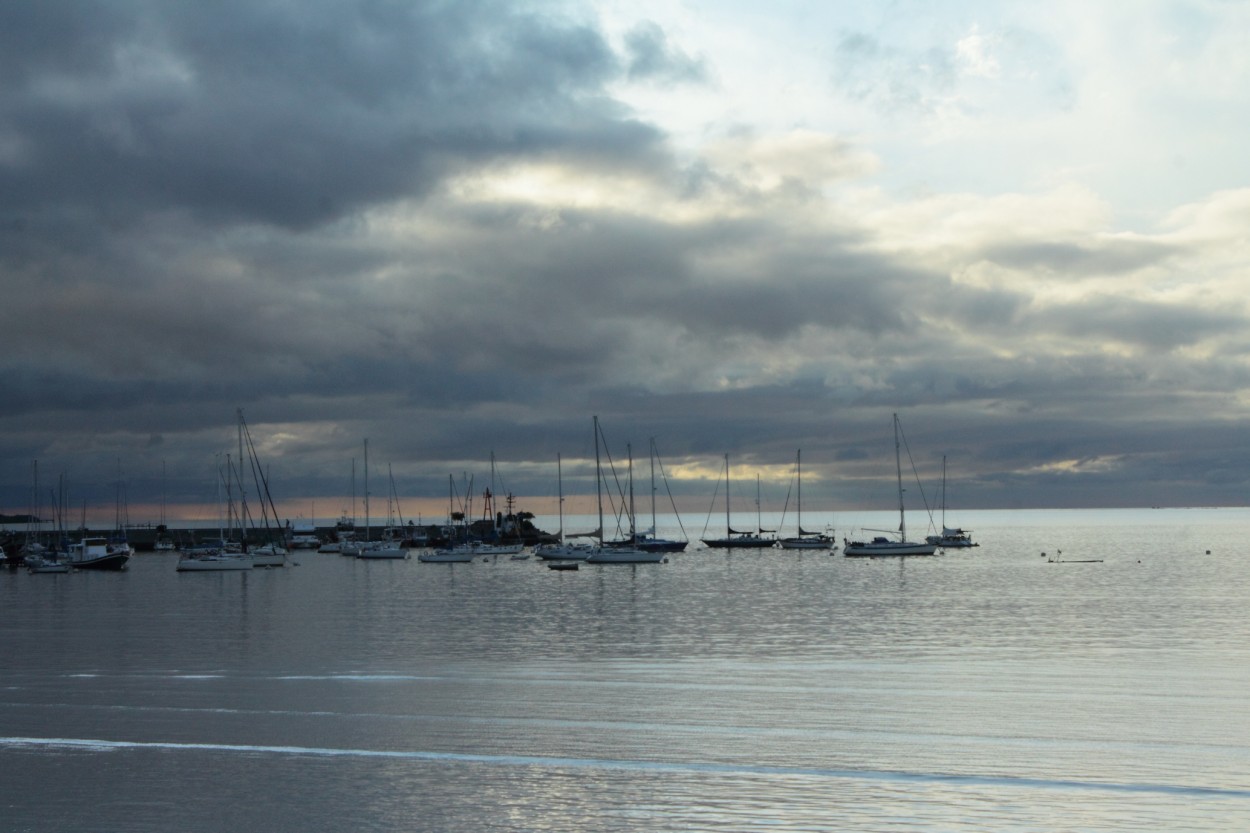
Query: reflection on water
{"points": [[988, 689]]}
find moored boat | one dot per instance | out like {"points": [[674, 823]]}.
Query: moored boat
{"points": [[215, 562], [381, 550], [804, 540], [880, 546], [625, 553], [46, 563], [268, 555], [735, 539], [98, 554], [564, 551], [951, 537], [452, 555]]}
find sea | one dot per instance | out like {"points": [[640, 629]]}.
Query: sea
{"points": [[1079, 670]]}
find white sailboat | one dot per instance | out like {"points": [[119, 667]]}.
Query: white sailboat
{"points": [[952, 537], [562, 549], [215, 561], [369, 549], [804, 540], [452, 553], [271, 553], [626, 553], [880, 546], [222, 555]]}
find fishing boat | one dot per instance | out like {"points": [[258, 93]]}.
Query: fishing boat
{"points": [[952, 537], [733, 538], [805, 540], [98, 554], [882, 546]]}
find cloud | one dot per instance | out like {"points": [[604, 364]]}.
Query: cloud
{"points": [[443, 227], [240, 113], [651, 57]]}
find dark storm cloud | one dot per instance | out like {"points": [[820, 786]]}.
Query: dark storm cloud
{"points": [[244, 112]]}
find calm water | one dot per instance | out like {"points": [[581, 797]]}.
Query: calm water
{"points": [[980, 690]]}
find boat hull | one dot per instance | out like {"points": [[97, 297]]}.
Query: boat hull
{"points": [[445, 557], [563, 552], [624, 556], [214, 563], [885, 549], [383, 554], [805, 544], [268, 559], [951, 543], [112, 561], [661, 545], [738, 543]]}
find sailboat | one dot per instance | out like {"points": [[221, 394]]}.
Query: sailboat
{"points": [[271, 553], [163, 542], [560, 549], [38, 557], [218, 555], [450, 553], [884, 546], [733, 538], [648, 540], [369, 549], [804, 540], [626, 553], [952, 537], [222, 555]]}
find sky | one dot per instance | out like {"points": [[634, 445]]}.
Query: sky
{"points": [[462, 229]]}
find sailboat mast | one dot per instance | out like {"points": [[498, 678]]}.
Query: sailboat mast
{"points": [[728, 528], [490, 507], [759, 511], [242, 490], [898, 467], [598, 481], [629, 452], [560, 491], [798, 473], [654, 531], [366, 489]]}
